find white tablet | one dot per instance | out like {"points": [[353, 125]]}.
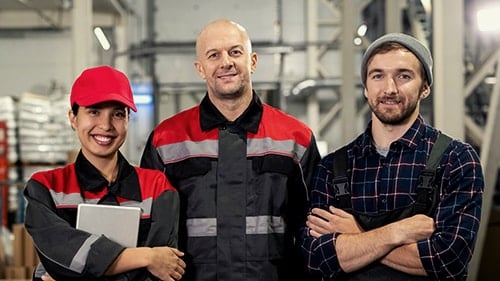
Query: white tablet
{"points": [[118, 223]]}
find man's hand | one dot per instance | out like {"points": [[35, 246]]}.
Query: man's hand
{"points": [[412, 229], [163, 262], [322, 222]]}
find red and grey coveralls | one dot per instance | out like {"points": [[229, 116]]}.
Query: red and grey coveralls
{"points": [[242, 186], [70, 254]]}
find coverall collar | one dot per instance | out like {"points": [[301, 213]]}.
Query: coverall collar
{"points": [[210, 116], [126, 184]]}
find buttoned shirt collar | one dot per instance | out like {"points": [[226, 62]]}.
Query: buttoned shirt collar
{"points": [[409, 139]]}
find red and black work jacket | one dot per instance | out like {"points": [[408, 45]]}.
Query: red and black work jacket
{"points": [[242, 186], [70, 254]]}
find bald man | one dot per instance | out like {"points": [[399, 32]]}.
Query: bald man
{"points": [[241, 168]]}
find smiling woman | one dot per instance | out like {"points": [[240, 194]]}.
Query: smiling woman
{"points": [[100, 100]]}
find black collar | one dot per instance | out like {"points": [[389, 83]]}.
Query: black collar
{"points": [[210, 116], [126, 184]]}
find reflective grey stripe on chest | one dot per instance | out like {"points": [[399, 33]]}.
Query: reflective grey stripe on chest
{"points": [[207, 227]]}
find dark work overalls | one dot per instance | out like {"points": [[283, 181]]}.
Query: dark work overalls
{"points": [[425, 203]]}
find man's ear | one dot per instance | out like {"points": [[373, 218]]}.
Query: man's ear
{"points": [[425, 91], [253, 61], [199, 69]]}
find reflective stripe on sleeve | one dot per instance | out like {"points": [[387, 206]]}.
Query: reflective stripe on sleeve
{"points": [[79, 260]]}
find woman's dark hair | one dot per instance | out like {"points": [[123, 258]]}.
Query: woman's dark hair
{"points": [[75, 108]]}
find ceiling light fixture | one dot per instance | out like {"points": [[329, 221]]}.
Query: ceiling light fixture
{"points": [[362, 30], [101, 37], [487, 18]]}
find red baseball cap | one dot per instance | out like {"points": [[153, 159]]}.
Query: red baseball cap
{"points": [[100, 84]]}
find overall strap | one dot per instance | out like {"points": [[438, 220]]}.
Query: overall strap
{"points": [[341, 186], [427, 190], [427, 193]]}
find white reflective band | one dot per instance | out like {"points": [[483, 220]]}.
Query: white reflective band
{"points": [[175, 152], [201, 227], [80, 259], [265, 225], [207, 227]]}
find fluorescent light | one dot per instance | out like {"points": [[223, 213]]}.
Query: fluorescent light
{"points": [[101, 37], [357, 41], [143, 99], [362, 30], [427, 5], [488, 19], [490, 80]]}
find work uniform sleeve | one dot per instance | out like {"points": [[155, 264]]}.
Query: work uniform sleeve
{"points": [[164, 217], [298, 187], [65, 252], [309, 161], [299, 191], [447, 253], [150, 158], [319, 253], [299, 202]]}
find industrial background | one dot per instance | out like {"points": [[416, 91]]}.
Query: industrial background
{"points": [[309, 55]]}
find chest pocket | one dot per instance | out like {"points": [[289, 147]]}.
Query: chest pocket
{"points": [[188, 168], [273, 164], [269, 186]]}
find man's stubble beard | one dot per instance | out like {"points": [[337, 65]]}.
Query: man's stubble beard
{"points": [[391, 118]]}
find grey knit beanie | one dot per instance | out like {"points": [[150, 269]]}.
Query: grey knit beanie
{"points": [[416, 47]]}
